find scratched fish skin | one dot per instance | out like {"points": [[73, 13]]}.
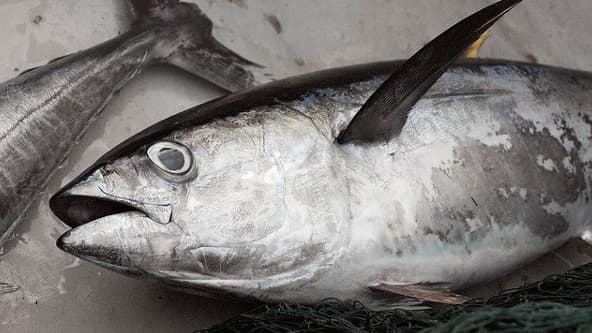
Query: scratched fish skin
{"points": [[250, 196], [44, 111]]}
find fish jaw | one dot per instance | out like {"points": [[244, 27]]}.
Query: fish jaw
{"points": [[128, 242], [111, 230], [132, 244], [122, 234]]}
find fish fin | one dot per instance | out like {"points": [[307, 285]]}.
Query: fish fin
{"points": [[381, 301], [433, 293], [6, 288], [59, 58], [29, 70], [189, 44], [49, 62], [473, 51], [384, 114]]}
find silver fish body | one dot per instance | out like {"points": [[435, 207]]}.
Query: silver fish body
{"points": [[250, 195], [44, 111]]}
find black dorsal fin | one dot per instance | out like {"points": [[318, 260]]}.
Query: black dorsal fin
{"points": [[384, 114]]}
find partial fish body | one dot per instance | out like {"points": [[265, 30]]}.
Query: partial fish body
{"points": [[45, 110], [491, 171], [251, 195]]}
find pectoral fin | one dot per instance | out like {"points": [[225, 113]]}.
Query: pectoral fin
{"points": [[434, 293], [384, 114]]}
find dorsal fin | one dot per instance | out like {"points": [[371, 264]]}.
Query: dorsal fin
{"points": [[49, 62], [384, 114], [473, 50]]}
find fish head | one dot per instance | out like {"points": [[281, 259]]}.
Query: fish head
{"points": [[233, 203]]}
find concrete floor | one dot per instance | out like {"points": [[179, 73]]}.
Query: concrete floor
{"points": [[58, 293]]}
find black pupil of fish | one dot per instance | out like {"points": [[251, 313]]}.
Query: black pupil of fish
{"points": [[171, 158]]}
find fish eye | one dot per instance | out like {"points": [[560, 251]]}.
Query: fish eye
{"points": [[171, 157]]}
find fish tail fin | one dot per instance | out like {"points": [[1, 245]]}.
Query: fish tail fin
{"points": [[185, 40]]}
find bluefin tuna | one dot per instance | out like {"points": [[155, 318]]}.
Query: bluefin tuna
{"points": [[354, 183], [45, 110]]}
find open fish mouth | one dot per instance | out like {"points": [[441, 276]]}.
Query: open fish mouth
{"points": [[94, 198], [85, 215], [76, 210], [119, 235], [111, 231]]}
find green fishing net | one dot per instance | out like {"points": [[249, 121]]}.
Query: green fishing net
{"points": [[559, 303]]}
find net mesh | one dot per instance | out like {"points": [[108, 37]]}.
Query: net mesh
{"points": [[559, 303]]}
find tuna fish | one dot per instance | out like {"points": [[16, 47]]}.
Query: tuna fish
{"points": [[45, 110], [350, 182]]}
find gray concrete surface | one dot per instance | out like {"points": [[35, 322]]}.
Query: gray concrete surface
{"points": [[58, 293]]}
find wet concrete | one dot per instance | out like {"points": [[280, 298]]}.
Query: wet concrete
{"points": [[57, 293]]}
